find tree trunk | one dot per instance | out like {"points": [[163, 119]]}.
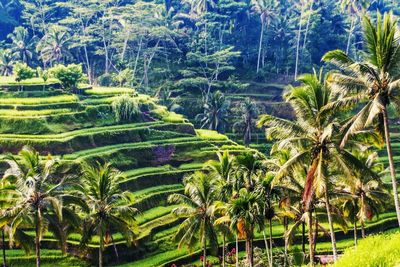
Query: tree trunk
{"points": [[303, 237], [331, 229], [298, 45], [266, 247], [270, 242], [237, 251], [223, 251], [315, 236], [37, 237], [204, 250], [355, 232], [350, 34], [285, 226], [310, 238], [260, 45], [3, 239], [101, 248], [391, 163], [362, 230]]}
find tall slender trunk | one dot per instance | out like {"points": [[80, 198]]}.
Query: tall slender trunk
{"points": [[307, 26], [3, 239], [355, 232], [331, 229], [223, 251], [260, 45], [270, 242], [285, 226], [37, 237], [237, 251], [391, 163], [298, 45], [204, 250], [362, 230], [101, 247], [266, 247], [315, 233], [303, 237], [350, 34], [310, 238]]}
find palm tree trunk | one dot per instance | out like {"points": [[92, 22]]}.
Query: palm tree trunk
{"points": [[270, 242], [266, 247], [260, 45], [303, 237], [101, 247], [204, 250], [362, 230], [350, 34], [223, 251], [237, 251], [355, 232], [391, 163], [298, 45], [37, 237], [3, 247], [285, 226], [310, 238], [315, 236], [331, 229]]}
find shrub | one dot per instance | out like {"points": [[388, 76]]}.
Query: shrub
{"points": [[69, 76], [23, 72], [377, 250], [126, 109], [123, 78], [105, 80]]}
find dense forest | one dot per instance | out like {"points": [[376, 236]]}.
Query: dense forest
{"points": [[199, 132]]}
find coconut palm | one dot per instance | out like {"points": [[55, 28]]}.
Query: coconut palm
{"points": [[110, 209], [38, 193], [267, 9], [197, 206], [6, 62], [22, 45], [364, 196], [373, 82], [54, 46], [249, 112], [215, 113], [314, 139], [249, 168], [244, 213]]}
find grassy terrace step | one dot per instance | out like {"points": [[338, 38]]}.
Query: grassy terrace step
{"points": [[156, 196], [10, 113], [39, 100], [154, 213], [149, 228]]}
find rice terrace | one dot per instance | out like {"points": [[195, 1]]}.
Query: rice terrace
{"points": [[199, 133]]}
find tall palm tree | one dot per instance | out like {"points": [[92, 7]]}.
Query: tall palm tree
{"points": [[215, 113], [249, 112], [373, 82], [6, 62], [267, 9], [314, 139], [37, 195], [197, 206], [22, 45], [110, 210], [54, 46]]}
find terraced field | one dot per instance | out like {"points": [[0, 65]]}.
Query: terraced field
{"points": [[153, 153]]}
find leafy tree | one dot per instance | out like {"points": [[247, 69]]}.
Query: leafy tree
{"points": [[23, 72], [69, 75], [373, 81], [54, 46], [249, 112], [6, 62], [197, 207], [110, 210]]}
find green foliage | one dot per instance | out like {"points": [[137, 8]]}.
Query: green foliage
{"points": [[376, 250], [69, 75], [126, 109], [23, 72]]}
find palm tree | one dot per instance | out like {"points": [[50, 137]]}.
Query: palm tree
{"points": [[22, 45], [54, 46], [314, 139], [215, 113], [37, 195], [6, 62], [244, 212], [363, 195], [374, 82], [267, 9], [197, 206], [249, 112], [110, 209]]}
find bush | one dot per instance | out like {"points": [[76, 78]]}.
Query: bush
{"points": [[124, 78], [69, 76], [105, 80], [23, 72], [126, 109], [377, 250]]}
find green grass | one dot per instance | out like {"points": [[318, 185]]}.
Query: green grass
{"points": [[156, 190], [210, 135], [32, 113], [98, 90], [154, 213], [39, 100], [10, 80]]}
